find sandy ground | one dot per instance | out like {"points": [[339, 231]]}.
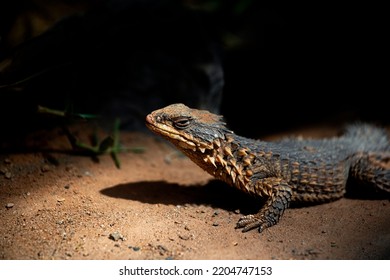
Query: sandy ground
{"points": [[159, 205]]}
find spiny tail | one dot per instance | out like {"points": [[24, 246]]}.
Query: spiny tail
{"points": [[371, 160], [367, 137], [372, 168]]}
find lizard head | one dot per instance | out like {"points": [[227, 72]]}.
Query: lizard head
{"points": [[187, 128]]}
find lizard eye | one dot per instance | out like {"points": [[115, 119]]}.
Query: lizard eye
{"points": [[181, 123]]}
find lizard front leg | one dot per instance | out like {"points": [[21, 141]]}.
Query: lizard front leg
{"points": [[279, 196]]}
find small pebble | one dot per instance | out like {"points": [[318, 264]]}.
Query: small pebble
{"points": [[45, 168], [9, 205], [135, 249], [184, 237], [116, 236]]}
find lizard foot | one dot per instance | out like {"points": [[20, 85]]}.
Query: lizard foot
{"points": [[250, 222], [270, 214]]}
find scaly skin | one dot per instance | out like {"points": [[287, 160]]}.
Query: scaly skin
{"points": [[290, 170]]}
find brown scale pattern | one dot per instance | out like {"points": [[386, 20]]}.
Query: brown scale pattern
{"points": [[290, 170]]}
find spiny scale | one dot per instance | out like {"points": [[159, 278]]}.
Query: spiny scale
{"points": [[290, 170]]}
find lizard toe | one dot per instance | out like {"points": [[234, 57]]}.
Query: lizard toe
{"points": [[250, 222]]}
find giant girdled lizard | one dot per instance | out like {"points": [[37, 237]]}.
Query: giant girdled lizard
{"points": [[281, 172]]}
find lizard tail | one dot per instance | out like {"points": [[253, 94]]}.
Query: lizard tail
{"points": [[367, 137], [372, 168]]}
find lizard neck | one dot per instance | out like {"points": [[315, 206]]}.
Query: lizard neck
{"points": [[229, 159]]}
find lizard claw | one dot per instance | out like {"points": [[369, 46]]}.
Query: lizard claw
{"points": [[250, 222], [270, 214]]}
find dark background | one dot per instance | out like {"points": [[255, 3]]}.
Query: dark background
{"points": [[282, 67]]}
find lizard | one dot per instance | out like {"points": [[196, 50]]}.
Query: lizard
{"points": [[282, 172]]}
